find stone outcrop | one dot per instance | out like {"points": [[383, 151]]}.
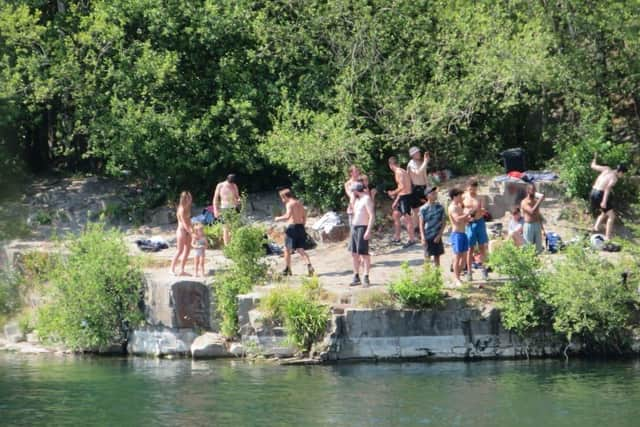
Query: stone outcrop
{"points": [[258, 335], [12, 333], [209, 345], [159, 341], [454, 332], [176, 309]]}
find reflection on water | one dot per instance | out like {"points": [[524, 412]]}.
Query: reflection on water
{"points": [[135, 391]]}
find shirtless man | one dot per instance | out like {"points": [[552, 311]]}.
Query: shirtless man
{"points": [[401, 203], [361, 228], [601, 195], [354, 176], [417, 170], [226, 198], [530, 207], [459, 241], [476, 229], [296, 234]]}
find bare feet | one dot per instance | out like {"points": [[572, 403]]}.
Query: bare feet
{"points": [[184, 273]]}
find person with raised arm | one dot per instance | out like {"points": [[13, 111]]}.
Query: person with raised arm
{"points": [[600, 196], [401, 203]]}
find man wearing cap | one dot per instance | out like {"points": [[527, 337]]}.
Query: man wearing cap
{"points": [[402, 200], [600, 196], [432, 223], [361, 227], [417, 170], [226, 198]]}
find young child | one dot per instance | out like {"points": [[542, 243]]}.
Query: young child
{"points": [[516, 224], [432, 222], [199, 246]]}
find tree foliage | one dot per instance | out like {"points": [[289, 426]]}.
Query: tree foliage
{"points": [[94, 292], [179, 93]]}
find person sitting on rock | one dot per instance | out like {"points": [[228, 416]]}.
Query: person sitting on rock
{"points": [[516, 225]]}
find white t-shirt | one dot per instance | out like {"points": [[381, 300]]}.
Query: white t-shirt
{"points": [[417, 172]]}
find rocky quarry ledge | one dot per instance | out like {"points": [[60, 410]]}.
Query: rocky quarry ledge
{"points": [[451, 332]]}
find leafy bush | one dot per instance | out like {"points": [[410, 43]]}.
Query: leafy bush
{"points": [[94, 293], [589, 300], [422, 292], [229, 285], [520, 299], [213, 233], [300, 311], [246, 250], [10, 295]]}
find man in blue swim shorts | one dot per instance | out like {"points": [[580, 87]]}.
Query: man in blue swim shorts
{"points": [[459, 241], [476, 230]]}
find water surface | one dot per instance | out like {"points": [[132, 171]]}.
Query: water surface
{"points": [[135, 392]]}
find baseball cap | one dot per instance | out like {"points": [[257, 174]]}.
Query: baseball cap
{"points": [[413, 150], [428, 190]]}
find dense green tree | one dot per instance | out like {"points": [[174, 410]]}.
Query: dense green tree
{"points": [[178, 93]]}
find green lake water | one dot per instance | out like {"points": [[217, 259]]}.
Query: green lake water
{"points": [[136, 392]]}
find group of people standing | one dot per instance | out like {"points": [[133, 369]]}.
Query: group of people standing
{"points": [[415, 205], [226, 198]]}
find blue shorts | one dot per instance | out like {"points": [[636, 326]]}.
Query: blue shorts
{"points": [[477, 232], [459, 242]]}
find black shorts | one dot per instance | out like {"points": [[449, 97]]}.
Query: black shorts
{"points": [[417, 194], [404, 204], [358, 244], [296, 236], [596, 197], [432, 248]]}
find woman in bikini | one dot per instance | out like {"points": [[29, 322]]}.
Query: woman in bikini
{"points": [[183, 234]]}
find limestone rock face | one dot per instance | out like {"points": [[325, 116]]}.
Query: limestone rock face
{"points": [[161, 341], [13, 333], [337, 233], [209, 345], [160, 216]]}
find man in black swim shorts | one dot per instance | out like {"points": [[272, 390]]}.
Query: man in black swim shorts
{"points": [[600, 196], [402, 202]]}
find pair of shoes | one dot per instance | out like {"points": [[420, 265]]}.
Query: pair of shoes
{"points": [[396, 241], [469, 277], [409, 244], [310, 270], [485, 274], [365, 281], [355, 281], [286, 272]]}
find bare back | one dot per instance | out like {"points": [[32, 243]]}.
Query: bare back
{"points": [[403, 181], [296, 212], [606, 179], [228, 195]]}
